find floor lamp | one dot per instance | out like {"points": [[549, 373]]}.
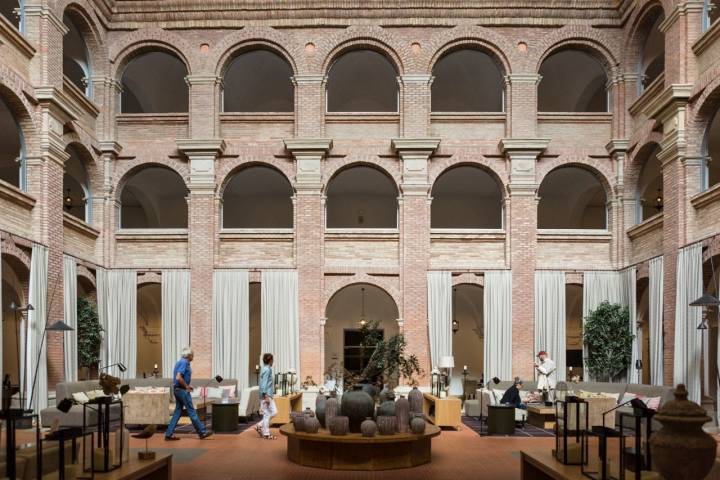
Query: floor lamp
{"points": [[58, 326], [705, 301]]}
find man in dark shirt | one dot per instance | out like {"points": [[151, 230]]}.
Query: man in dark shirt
{"points": [[512, 396]]}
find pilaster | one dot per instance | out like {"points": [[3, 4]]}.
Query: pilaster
{"points": [[205, 105], [521, 104], [617, 217], [309, 105], [45, 30], [415, 106]]}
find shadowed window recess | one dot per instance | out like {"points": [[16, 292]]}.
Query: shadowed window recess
{"points": [[467, 81], [466, 197], [362, 81], [154, 82], [361, 197], [154, 197], [258, 81], [573, 81], [572, 198], [257, 197]]}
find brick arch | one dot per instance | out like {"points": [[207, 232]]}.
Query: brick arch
{"points": [[16, 253], [14, 90], [599, 44], [136, 165], [702, 110], [471, 37], [253, 38], [237, 167], [149, 278], [384, 165], [636, 162], [602, 172], [374, 38], [150, 39], [635, 35], [332, 287], [93, 34], [85, 273], [95, 174], [438, 167], [265, 156], [468, 279]]}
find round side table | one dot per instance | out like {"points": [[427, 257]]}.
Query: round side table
{"points": [[225, 416], [501, 420]]}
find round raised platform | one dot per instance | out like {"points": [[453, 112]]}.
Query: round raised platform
{"points": [[355, 452]]}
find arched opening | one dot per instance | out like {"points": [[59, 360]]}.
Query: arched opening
{"points": [[572, 81], [85, 293], [362, 81], [573, 331], [255, 332], [361, 197], [572, 198], [344, 313], [711, 171], [154, 82], [154, 197], [652, 55], [76, 187], [642, 289], [468, 341], [711, 12], [258, 197], [466, 197], [467, 80], [15, 277], [76, 59], [11, 10], [149, 329], [12, 150], [258, 81], [650, 187]]}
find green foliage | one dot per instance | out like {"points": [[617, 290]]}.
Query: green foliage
{"points": [[608, 339], [89, 334], [389, 360]]}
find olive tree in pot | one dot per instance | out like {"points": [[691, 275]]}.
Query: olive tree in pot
{"points": [[608, 340], [89, 338]]}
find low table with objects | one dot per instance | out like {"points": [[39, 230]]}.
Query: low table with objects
{"points": [[443, 412], [541, 416], [285, 405]]}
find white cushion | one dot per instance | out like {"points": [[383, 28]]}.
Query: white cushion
{"points": [[214, 392], [80, 397]]}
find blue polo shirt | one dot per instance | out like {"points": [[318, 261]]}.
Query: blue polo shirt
{"points": [[183, 368]]}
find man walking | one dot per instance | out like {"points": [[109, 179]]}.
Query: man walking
{"points": [[182, 374]]}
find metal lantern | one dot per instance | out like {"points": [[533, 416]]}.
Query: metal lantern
{"points": [[607, 463], [571, 420], [435, 382], [638, 426]]}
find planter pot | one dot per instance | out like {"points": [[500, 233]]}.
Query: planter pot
{"points": [[415, 398], [385, 395], [417, 424], [681, 449], [312, 424], [386, 424], [332, 410], [368, 428], [298, 421], [402, 413], [320, 402], [357, 405], [370, 389], [308, 413], [386, 409], [339, 425]]}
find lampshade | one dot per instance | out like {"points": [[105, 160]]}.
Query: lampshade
{"points": [[447, 362], [706, 300], [218, 378], [59, 326]]}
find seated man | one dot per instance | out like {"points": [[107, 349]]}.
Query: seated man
{"points": [[512, 396]]}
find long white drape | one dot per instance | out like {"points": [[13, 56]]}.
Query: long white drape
{"points": [[686, 367], [550, 330], [497, 354], [37, 319], [628, 298], [279, 318], [70, 306], [231, 325], [101, 285], [121, 333], [439, 315], [655, 320], [175, 300]]}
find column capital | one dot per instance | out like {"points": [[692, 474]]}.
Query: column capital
{"points": [[57, 102], [110, 147], [515, 78], [415, 146], [665, 105], [202, 154], [308, 146], [681, 10], [308, 79], [617, 146], [203, 80], [523, 146], [415, 153], [415, 79], [192, 147], [308, 153], [46, 13]]}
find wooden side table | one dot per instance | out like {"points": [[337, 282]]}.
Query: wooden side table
{"points": [[442, 412], [285, 405], [501, 420], [541, 416], [225, 416]]}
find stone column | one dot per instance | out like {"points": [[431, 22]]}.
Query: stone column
{"points": [[106, 95], [202, 234], [309, 238], [521, 104], [45, 30], [309, 105], [521, 233], [682, 27], [105, 204], [670, 108], [617, 216], [415, 108], [415, 243]]}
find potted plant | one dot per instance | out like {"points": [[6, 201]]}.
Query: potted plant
{"points": [[89, 338], [608, 339]]}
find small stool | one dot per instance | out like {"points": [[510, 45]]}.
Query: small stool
{"points": [[501, 419]]}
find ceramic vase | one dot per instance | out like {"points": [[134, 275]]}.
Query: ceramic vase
{"points": [[357, 405], [308, 413], [415, 398], [298, 421], [681, 449], [417, 424], [368, 428], [320, 402], [386, 424], [311, 424], [402, 413], [332, 409], [339, 425], [386, 408]]}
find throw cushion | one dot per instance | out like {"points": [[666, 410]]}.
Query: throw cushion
{"points": [[615, 396], [214, 392], [496, 396], [230, 389], [652, 403], [627, 397], [80, 398], [91, 395], [197, 393]]}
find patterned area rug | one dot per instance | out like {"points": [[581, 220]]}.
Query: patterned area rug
{"points": [[474, 424], [185, 426]]}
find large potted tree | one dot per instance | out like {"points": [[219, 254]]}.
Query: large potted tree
{"points": [[89, 339], [608, 341]]}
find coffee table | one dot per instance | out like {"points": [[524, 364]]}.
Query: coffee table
{"points": [[225, 417], [541, 416], [501, 420]]}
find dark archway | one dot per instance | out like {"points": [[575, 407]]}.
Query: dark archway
{"points": [[466, 197], [467, 80], [258, 197], [258, 81], [154, 82], [572, 81], [154, 197], [77, 194], [12, 148], [361, 197], [76, 58], [362, 81], [572, 198]]}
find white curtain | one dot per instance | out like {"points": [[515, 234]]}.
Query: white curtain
{"points": [[70, 305], [231, 325], [498, 325], [121, 333], [550, 331], [687, 338], [175, 300], [101, 286], [628, 298], [439, 315], [280, 329], [37, 320], [655, 321]]}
